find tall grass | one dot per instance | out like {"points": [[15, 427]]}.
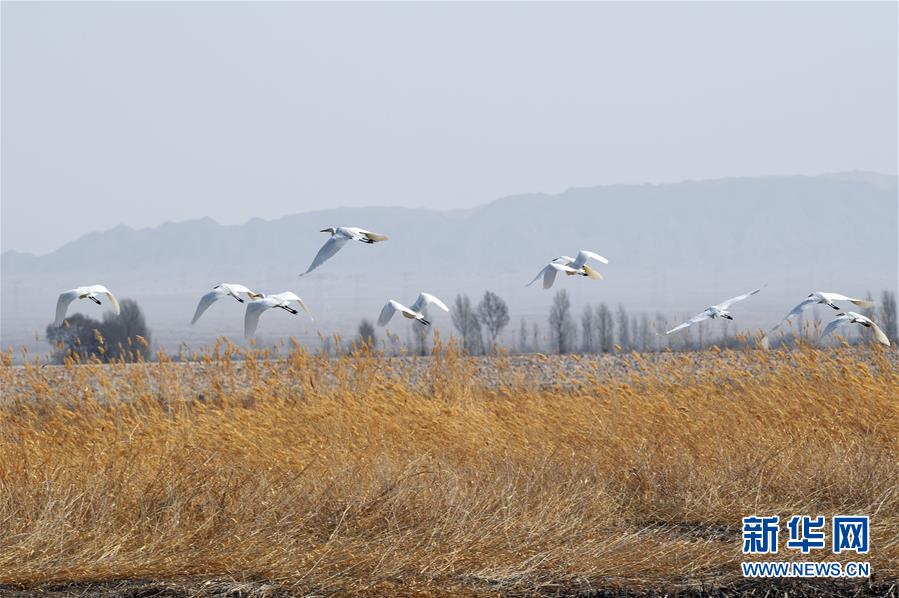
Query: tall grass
{"points": [[362, 473]]}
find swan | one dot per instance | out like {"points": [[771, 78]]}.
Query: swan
{"points": [[851, 317], [257, 307], [418, 310], [570, 266], [715, 311], [339, 237], [88, 292], [226, 289]]}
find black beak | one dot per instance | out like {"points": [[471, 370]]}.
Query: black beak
{"points": [[95, 300], [239, 299]]}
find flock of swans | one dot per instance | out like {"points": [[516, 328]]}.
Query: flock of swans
{"points": [[257, 303]]}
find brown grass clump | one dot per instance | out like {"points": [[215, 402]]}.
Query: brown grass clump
{"points": [[364, 473]]}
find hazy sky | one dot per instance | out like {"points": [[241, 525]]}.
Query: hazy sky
{"points": [[139, 113]]}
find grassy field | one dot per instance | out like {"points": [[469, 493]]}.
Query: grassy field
{"points": [[450, 474]]}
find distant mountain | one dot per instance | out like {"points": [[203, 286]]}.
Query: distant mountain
{"points": [[673, 248]]}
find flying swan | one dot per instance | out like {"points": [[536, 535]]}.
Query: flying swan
{"points": [[850, 317], [418, 310], [88, 292], [570, 266], [339, 237], [255, 309], [715, 311], [226, 289]]}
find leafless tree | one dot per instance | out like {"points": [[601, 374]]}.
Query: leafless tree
{"points": [[367, 334], [645, 334], [888, 315], [624, 329], [493, 313], [561, 326], [522, 337], [588, 330], [465, 320], [605, 329]]}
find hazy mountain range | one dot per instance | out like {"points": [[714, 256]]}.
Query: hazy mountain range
{"points": [[673, 248]]}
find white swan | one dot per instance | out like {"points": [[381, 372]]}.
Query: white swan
{"points": [[570, 266], [715, 311], [339, 237], [851, 317], [418, 310], [226, 289], [88, 292], [281, 300]]}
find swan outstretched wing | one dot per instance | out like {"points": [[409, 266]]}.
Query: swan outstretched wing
{"points": [[254, 310], [390, 308], [327, 251], [426, 299], [697, 318], [840, 320], [539, 274], [583, 255], [732, 300], [801, 307], [879, 335], [62, 305], [205, 301]]}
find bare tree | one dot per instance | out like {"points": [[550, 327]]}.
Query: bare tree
{"points": [[493, 313], [522, 337], [661, 325], [535, 332], [465, 320], [588, 330], [605, 328], [645, 334], [624, 329], [889, 316], [367, 334], [561, 326]]}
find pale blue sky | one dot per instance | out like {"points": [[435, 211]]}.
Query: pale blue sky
{"points": [[140, 113]]}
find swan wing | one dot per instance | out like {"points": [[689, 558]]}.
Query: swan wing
{"points": [[697, 318], [725, 304], [62, 305], [326, 252], [205, 301]]}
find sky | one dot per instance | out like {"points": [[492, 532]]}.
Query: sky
{"points": [[142, 113]]}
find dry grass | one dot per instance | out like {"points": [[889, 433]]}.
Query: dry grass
{"points": [[351, 474]]}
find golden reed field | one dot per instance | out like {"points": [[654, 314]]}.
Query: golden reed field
{"points": [[265, 474]]}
